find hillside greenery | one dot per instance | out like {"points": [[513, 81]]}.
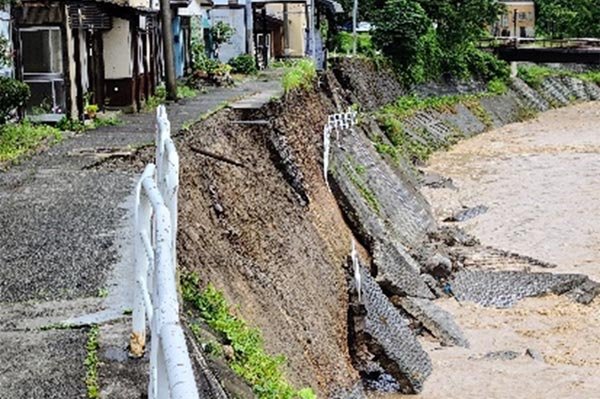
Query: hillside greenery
{"points": [[431, 39]]}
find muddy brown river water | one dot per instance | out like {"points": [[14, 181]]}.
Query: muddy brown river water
{"points": [[540, 181]]}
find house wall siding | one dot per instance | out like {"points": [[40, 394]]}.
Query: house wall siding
{"points": [[117, 50], [235, 17]]}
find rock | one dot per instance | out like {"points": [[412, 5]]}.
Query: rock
{"points": [[467, 213], [397, 271], [534, 354], [438, 266], [435, 320], [501, 355]]}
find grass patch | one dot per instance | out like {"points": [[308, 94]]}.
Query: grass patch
{"points": [[250, 361], [534, 75], [17, 139], [91, 364], [592, 76], [299, 76], [110, 121]]}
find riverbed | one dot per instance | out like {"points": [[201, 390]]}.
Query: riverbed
{"points": [[540, 182]]}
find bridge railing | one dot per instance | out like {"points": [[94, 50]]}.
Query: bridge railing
{"points": [[531, 42], [155, 287]]}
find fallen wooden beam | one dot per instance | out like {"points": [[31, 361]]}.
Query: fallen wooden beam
{"points": [[217, 157]]}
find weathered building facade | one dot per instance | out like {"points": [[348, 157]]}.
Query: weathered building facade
{"points": [[517, 20]]}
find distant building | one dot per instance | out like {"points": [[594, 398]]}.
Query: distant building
{"points": [[518, 20]]}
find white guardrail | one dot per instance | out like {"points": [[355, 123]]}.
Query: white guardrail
{"points": [[335, 123], [155, 228]]}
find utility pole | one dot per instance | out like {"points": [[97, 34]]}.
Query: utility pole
{"points": [[286, 31], [169, 53], [515, 24], [354, 22]]}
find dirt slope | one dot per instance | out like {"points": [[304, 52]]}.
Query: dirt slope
{"points": [[248, 232]]}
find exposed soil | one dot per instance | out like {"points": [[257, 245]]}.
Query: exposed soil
{"points": [[246, 230]]}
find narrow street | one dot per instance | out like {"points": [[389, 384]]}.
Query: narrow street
{"points": [[539, 181], [65, 252]]}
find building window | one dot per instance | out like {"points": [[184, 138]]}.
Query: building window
{"points": [[42, 61]]}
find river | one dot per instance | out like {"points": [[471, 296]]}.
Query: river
{"points": [[540, 181]]}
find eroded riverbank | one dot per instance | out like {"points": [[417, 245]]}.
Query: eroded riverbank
{"points": [[539, 181]]}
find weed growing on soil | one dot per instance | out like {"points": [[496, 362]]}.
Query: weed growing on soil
{"points": [[18, 139], [91, 364], [110, 121], [300, 76], [56, 326], [250, 361], [477, 109]]}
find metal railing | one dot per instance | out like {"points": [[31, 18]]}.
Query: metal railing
{"points": [[155, 298], [335, 123]]}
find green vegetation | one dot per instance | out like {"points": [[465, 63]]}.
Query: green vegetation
{"points": [[534, 75], [13, 94], [418, 146], [568, 18], [56, 326], [592, 76], [343, 42], [17, 139], [91, 364], [299, 76], [103, 292], [160, 96], [497, 86], [525, 113], [244, 64], [67, 124], [426, 39], [109, 121], [355, 173], [386, 149], [5, 56], [250, 361]]}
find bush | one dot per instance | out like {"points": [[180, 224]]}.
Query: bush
{"points": [[299, 76], [243, 64], [13, 94], [486, 66]]}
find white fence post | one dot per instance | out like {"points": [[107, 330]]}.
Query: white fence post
{"points": [[155, 224], [337, 122]]}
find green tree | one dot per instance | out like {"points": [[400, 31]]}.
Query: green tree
{"points": [[400, 26], [573, 18], [5, 56]]}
